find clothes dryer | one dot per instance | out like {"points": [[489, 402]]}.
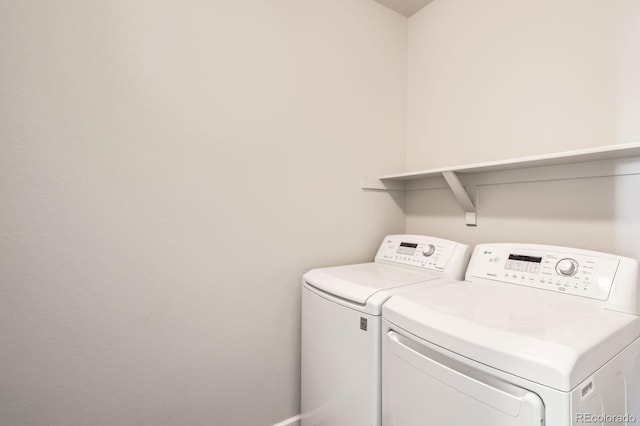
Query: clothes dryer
{"points": [[535, 335], [341, 308]]}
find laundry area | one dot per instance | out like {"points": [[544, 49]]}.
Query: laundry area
{"points": [[319, 212]]}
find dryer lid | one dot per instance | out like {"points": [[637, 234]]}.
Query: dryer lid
{"points": [[356, 283], [549, 341]]}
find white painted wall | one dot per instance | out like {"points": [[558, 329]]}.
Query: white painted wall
{"points": [[499, 79], [601, 214], [168, 170]]}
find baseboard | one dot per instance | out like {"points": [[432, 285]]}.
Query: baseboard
{"points": [[292, 421]]}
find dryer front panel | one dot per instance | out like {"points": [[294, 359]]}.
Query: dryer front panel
{"points": [[423, 386]]}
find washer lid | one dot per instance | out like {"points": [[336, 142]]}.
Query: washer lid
{"points": [[543, 339], [358, 282]]}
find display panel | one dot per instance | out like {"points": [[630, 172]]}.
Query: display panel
{"points": [[411, 245], [524, 258], [407, 248]]}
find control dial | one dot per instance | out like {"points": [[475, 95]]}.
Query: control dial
{"points": [[429, 250], [567, 267]]}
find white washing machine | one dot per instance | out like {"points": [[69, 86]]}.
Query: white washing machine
{"points": [[341, 308], [535, 335]]}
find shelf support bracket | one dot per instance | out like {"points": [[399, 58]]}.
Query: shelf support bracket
{"points": [[461, 195]]}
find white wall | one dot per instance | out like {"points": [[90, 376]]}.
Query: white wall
{"points": [[601, 214], [168, 171], [497, 79]]}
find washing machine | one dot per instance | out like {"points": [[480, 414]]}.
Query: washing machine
{"points": [[534, 335], [341, 308]]}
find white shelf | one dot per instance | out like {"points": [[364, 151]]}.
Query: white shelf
{"points": [[567, 157], [450, 174]]}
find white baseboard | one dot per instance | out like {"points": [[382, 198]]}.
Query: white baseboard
{"points": [[292, 421]]}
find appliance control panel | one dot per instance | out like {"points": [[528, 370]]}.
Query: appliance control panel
{"points": [[419, 251], [564, 270]]}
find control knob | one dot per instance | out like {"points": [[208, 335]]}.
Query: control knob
{"points": [[429, 250], [567, 267]]}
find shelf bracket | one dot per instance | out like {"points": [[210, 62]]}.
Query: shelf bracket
{"points": [[461, 195]]}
